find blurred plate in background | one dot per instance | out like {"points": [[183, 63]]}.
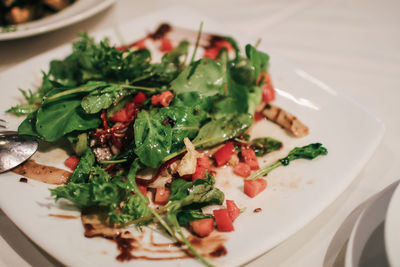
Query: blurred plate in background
{"points": [[392, 230], [78, 11]]}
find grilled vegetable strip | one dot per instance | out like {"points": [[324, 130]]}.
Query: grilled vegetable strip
{"points": [[285, 119]]}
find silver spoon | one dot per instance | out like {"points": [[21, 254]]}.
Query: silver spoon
{"points": [[14, 149]]}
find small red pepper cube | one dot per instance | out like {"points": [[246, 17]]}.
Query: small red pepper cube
{"points": [[119, 116], [143, 189], [71, 162], [155, 100], [162, 195], [224, 154], [249, 156], [163, 99], [139, 98], [223, 221], [166, 45], [268, 93], [242, 169], [253, 188], [141, 44], [258, 116], [199, 173], [202, 227], [130, 109], [121, 48], [233, 210], [211, 52], [203, 164], [166, 98], [224, 44]]}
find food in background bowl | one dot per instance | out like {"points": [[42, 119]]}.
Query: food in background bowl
{"points": [[19, 11]]}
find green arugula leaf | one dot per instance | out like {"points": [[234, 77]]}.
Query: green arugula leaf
{"points": [[153, 139], [186, 216], [219, 130], [204, 77], [259, 60], [264, 145], [28, 126], [58, 118], [83, 169], [184, 123], [309, 152], [96, 192]]}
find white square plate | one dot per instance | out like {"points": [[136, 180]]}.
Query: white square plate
{"points": [[296, 194]]}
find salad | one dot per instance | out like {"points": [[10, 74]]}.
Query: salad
{"points": [[148, 137]]}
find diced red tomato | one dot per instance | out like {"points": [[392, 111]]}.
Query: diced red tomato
{"points": [[199, 173], [143, 189], [242, 169], [249, 156], [211, 52], [130, 109], [253, 188], [121, 48], [155, 99], [224, 154], [166, 45], [139, 98], [119, 116], [166, 98], [162, 195], [124, 114], [223, 221], [224, 44], [141, 44], [72, 162], [268, 93], [203, 164], [163, 99], [202, 227], [258, 116], [233, 210]]}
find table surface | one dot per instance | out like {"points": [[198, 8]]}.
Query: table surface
{"points": [[353, 45]]}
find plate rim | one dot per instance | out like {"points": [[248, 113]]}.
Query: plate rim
{"points": [[379, 197], [390, 223]]}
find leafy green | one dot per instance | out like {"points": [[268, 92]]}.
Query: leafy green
{"points": [[184, 123], [310, 151], [186, 216], [264, 145], [92, 61], [96, 192], [259, 60], [28, 126], [33, 100], [83, 169], [58, 118], [219, 130], [204, 77], [191, 194], [79, 142], [201, 191], [152, 138]]}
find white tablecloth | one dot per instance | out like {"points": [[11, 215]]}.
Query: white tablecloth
{"points": [[352, 45]]}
